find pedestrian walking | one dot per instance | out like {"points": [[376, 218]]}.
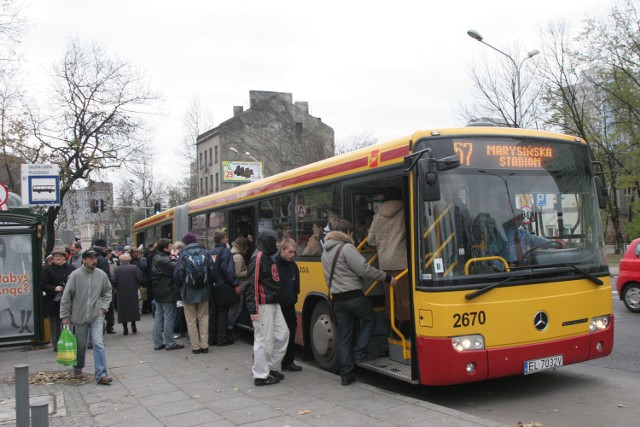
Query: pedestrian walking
{"points": [[85, 301]]}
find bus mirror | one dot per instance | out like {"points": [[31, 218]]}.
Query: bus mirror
{"points": [[448, 163], [430, 185], [601, 192]]}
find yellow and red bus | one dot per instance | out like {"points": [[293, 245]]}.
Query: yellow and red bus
{"points": [[480, 309]]}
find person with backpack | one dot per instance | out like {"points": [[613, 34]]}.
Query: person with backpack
{"points": [[226, 291], [194, 275]]}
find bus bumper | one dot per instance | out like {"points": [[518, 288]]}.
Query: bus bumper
{"points": [[440, 364]]}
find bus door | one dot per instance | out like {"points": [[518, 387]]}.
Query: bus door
{"points": [[391, 337], [242, 223]]}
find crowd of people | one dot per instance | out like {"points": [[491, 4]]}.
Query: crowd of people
{"points": [[187, 289]]}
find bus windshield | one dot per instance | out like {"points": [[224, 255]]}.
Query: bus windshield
{"points": [[514, 205]]}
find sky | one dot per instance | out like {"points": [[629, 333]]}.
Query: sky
{"points": [[382, 68]]}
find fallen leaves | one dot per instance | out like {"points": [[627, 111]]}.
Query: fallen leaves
{"points": [[303, 412]]}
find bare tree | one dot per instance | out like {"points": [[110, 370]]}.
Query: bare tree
{"points": [[98, 104], [143, 180], [195, 121], [495, 90], [355, 141], [12, 26]]}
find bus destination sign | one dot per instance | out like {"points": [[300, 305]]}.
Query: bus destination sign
{"points": [[500, 155]]}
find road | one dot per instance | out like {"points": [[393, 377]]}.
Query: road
{"points": [[602, 392]]}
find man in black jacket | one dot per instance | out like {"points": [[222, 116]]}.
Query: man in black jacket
{"points": [[290, 289], [100, 246], [166, 294], [270, 332]]}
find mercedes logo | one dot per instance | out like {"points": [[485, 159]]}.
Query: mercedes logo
{"points": [[541, 321]]}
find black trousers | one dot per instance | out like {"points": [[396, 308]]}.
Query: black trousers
{"points": [[218, 321], [289, 313]]}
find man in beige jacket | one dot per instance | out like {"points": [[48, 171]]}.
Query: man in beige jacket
{"points": [[387, 233]]}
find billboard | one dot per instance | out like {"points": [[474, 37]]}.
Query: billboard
{"points": [[240, 171], [17, 317]]}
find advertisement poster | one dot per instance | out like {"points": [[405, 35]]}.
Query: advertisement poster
{"points": [[242, 172], [16, 286]]}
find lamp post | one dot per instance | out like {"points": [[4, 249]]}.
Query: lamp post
{"points": [[246, 154], [476, 35]]}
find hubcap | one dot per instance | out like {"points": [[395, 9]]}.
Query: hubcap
{"points": [[323, 335], [633, 297]]}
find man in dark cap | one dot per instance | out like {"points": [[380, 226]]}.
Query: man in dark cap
{"points": [[100, 247], [270, 331], [85, 300]]}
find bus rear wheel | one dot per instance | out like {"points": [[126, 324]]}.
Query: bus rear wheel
{"points": [[324, 338]]}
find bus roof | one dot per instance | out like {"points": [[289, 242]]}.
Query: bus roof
{"points": [[375, 156]]}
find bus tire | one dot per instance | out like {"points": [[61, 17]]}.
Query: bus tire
{"points": [[631, 297], [324, 338]]}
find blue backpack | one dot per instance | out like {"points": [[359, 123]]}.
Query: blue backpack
{"points": [[196, 270]]}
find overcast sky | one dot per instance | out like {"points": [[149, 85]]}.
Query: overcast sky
{"points": [[388, 68]]}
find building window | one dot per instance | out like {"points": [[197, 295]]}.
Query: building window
{"points": [[201, 187], [217, 182], [299, 127], [206, 185], [200, 163], [216, 151], [205, 157], [210, 157]]}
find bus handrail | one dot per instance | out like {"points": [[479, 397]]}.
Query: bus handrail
{"points": [[485, 258], [439, 250], [437, 221], [392, 321]]}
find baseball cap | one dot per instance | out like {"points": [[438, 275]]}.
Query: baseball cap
{"points": [[89, 254]]}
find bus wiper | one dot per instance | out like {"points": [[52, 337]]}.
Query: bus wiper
{"points": [[586, 275], [486, 289]]}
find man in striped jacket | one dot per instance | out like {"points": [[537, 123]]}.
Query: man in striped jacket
{"points": [[270, 331]]}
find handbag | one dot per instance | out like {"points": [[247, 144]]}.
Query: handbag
{"points": [[67, 347]]}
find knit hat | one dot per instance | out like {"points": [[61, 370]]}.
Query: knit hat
{"points": [[100, 243], [59, 250], [189, 238]]}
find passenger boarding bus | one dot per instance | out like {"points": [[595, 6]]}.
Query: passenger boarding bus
{"points": [[482, 305]]}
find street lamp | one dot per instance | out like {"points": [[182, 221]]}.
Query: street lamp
{"points": [[476, 35], [246, 154]]}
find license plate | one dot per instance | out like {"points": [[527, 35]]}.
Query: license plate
{"points": [[537, 365]]}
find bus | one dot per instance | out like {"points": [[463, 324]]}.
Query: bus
{"points": [[479, 309]]}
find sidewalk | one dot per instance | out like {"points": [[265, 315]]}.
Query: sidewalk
{"points": [[178, 388]]}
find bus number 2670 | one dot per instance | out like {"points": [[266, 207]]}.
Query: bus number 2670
{"points": [[469, 319]]}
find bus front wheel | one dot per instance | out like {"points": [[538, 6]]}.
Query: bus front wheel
{"points": [[324, 338]]}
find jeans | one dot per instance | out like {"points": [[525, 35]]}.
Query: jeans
{"points": [[348, 312], [99, 354], [234, 313], [164, 320]]}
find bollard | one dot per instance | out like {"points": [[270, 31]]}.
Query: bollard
{"points": [[22, 395], [40, 414]]}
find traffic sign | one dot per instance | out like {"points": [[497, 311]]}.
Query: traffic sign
{"points": [[40, 184]]}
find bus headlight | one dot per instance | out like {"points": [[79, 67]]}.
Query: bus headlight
{"points": [[599, 323], [467, 343]]}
